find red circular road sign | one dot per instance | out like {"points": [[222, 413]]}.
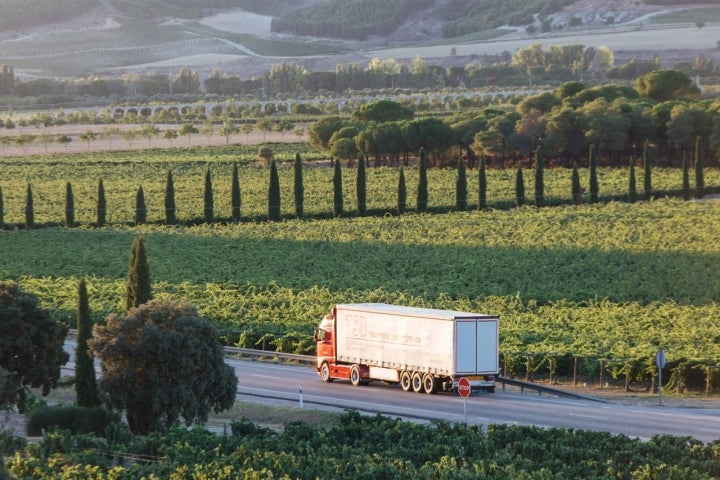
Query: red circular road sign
{"points": [[464, 387]]}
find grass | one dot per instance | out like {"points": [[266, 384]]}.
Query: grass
{"points": [[691, 15]]}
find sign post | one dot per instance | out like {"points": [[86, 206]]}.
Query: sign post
{"points": [[464, 391], [660, 362]]}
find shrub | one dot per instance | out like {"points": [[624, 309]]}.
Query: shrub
{"points": [[70, 417]]}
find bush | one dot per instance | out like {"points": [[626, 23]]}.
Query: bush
{"points": [[70, 417]]}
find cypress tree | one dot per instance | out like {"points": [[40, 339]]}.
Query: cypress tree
{"points": [[140, 207], [337, 190], [699, 176], [594, 189], [647, 175], [138, 287], [361, 187], [29, 208], [209, 209], [299, 187], [482, 184], [2, 210], [633, 182], [576, 187], [539, 177], [402, 192], [170, 217], [519, 187], [101, 211], [274, 193], [69, 206], [685, 177], [422, 196], [236, 199], [85, 382], [461, 187]]}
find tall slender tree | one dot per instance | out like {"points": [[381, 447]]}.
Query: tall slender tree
{"points": [[2, 210], [402, 192], [519, 187], [140, 207], [85, 382], [539, 177], [647, 172], [594, 188], [482, 184], [170, 210], [337, 191], [422, 196], [576, 187], [461, 187], [361, 187], [685, 177], [299, 187], [274, 193], [699, 175], [101, 210], [236, 199], [139, 289], [69, 206], [29, 208], [209, 204], [632, 188]]}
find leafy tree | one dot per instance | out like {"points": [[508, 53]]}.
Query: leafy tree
{"points": [[576, 187], [29, 208], [299, 189], [685, 177], [337, 190], [274, 193], [594, 188], [139, 289], [482, 184], [209, 205], [266, 154], [663, 85], [188, 129], [461, 187], [236, 198], [85, 382], [519, 187], [2, 210], [319, 134], [162, 361], [69, 206], [382, 111], [647, 176], [31, 343], [632, 189], [170, 210], [699, 176], [402, 192], [422, 195], [140, 207], [344, 149], [361, 187], [539, 178], [101, 210]]}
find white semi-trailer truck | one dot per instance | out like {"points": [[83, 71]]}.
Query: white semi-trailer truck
{"points": [[422, 349]]}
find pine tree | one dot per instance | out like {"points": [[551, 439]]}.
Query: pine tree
{"points": [[69, 206], [594, 188], [519, 187], [140, 207], [647, 175], [29, 208], [236, 199], [482, 184], [274, 193], [85, 382], [170, 217], [101, 211], [138, 288], [402, 192], [209, 209], [685, 177], [699, 175], [461, 187], [422, 197], [633, 182], [2, 210], [337, 190], [299, 187], [577, 195], [361, 187], [539, 177]]}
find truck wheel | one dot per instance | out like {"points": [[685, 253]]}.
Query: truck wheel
{"points": [[429, 383], [406, 381], [355, 375], [325, 373], [417, 382]]}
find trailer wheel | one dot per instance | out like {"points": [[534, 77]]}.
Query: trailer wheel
{"points": [[406, 381], [325, 373], [355, 375], [429, 383], [417, 382]]}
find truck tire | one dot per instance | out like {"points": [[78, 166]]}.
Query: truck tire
{"points": [[417, 382], [355, 377], [429, 383], [406, 381], [325, 373]]}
